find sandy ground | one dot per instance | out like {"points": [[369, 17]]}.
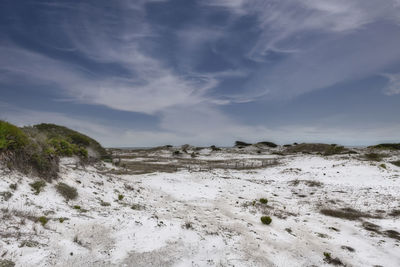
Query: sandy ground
{"points": [[208, 217]]}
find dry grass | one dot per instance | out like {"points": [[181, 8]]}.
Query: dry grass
{"points": [[68, 192], [310, 183], [347, 213]]}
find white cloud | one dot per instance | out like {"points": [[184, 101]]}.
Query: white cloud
{"points": [[149, 86], [280, 20], [355, 39], [393, 85]]}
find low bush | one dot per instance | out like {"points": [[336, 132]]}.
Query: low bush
{"points": [[46, 165], [137, 207], [6, 195], [263, 200], [11, 137], [389, 146], [6, 263], [241, 144], [333, 150], [268, 144], [43, 220], [37, 186], [347, 213], [68, 192], [105, 204], [72, 137], [36, 150], [373, 156], [13, 186], [324, 149], [396, 163], [120, 197], [266, 220], [214, 148], [334, 261], [64, 148]]}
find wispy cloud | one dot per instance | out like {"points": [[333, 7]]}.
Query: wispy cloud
{"points": [[224, 53], [279, 21], [393, 84]]}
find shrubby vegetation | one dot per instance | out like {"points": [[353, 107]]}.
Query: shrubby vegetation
{"points": [[323, 149], [387, 146], [266, 220], [396, 163], [68, 192], [11, 137], [268, 144], [37, 149], [374, 156], [37, 186], [241, 144]]}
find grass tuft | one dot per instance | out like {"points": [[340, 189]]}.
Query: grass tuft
{"points": [[68, 192], [37, 186]]}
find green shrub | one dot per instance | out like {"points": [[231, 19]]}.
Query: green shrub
{"points": [[13, 186], [6, 195], [68, 192], [387, 146], [61, 219], [324, 149], [396, 163], [43, 220], [64, 148], [241, 144], [334, 261], [37, 186], [11, 137], [79, 139], [137, 207], [269, 144], [105, 204], [383, 166], [214, 148], [6, 263], [264, 200], [120, 197], [333, 150], [73, 137], [77, 207], [373, 156], [41, 162], [266, 220]]}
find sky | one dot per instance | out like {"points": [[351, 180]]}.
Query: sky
{"points": [[136, 73]]}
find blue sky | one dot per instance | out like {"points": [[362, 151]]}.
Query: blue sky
{"points": [[154, 72]]}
